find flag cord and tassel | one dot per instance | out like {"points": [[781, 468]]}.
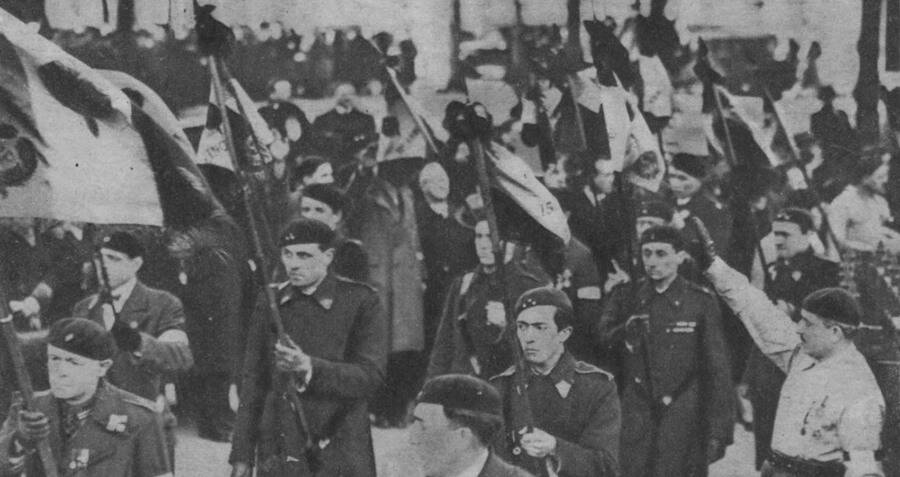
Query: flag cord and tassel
{"points": [[255, 222]]}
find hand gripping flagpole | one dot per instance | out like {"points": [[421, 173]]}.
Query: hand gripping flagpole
{"points": [[257, 221], [23, 380]]}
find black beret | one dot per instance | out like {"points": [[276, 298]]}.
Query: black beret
{"points": [[654, 208], [462, 392], [82, 337], [328, 194], [309, 166], [125, 243], [797, 216], [663, 234], [834, 304], [546, 295], [303, 231], [694, 166]]}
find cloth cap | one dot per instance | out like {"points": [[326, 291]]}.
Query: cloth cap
{"points": [[663, 234], [834, 304], [694, 166], [125, 243], [654, 208], [546, 295], [82, 337], [797, 216], [303, 231], [462, 392], [327, 194]]}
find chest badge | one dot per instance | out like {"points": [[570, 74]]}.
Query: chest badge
{"points": [[116, 423], [80, 459]]}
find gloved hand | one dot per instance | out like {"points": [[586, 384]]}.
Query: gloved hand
{"points": [[707, 253], [30, 426], [128, 339]]}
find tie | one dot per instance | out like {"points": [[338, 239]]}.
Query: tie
{"points": [[72, 420]]}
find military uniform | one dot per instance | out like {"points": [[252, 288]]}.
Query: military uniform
{"points": [[119, 435], [792, 281], [152, 312], [576, 403], [466, 343], [830, 412], [341, 326], [677, 392]]}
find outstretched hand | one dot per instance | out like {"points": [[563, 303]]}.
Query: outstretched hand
{"points": [[708, 251]]}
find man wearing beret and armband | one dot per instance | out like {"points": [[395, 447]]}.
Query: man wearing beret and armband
{"points": [[149, 331], [94, 428], [831, 411], [334, 352], [572, 429], [677, 399]]}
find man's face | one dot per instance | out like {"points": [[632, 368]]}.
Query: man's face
{"points": [[876, 182], [318, 210], [537, 332], [73, 377], [324, 174], [661, 260], [605, 177], [817, 339], [120, 267], [483, 247], [435, 183], [683, 185], [435, 439], [345, 95], [306, 264], [641, 224], [789, 239]]}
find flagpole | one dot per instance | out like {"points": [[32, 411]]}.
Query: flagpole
{"points": [[256, 222], [732, 159], [23, 380]]}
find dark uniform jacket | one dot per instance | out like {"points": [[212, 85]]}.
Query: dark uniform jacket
{"points": [[791, 281], [153, 312], [122, 436], [577, 404], [466, 343], [342, 328], [22, 268], [677, 388], [338, 136]]}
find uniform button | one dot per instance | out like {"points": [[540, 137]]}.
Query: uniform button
{"points": [[637, 380], [517, 450], [666, 400]]}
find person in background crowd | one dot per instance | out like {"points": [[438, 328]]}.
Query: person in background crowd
{"points": [[828, 177], [285, 117], [677, 399], [446, 245], [830, 411], [685, 178], [335, 349], [832, 126], [795, 273], [327, 203], [344, 130], [473, 336], [455, 420], [212, 283], [25, 272], [69, 252], [384, 220], [584, 440], [860, 216], [312, 170], [147, 324], [94, 428]]}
